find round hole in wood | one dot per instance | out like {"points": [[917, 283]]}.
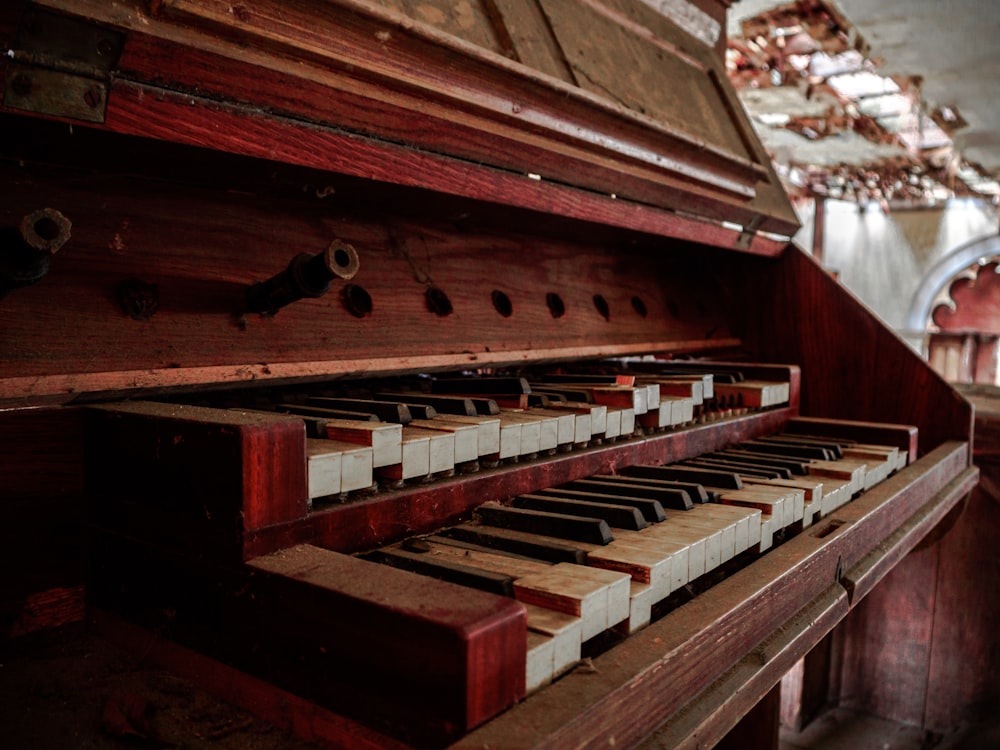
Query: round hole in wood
{"points": [[502, 303], [556, 305], [602, 306], [438, 302], [357, 300]]}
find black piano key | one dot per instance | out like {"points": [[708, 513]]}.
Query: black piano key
{"points": [[315, 411], [741, 468], [423, 543], [798, 467], [509, 385], [518, 543], [652, 510], [721, 479], [696, 492], [387, 411], [485, 407], [668, 498], [445, 570], [543, 399], [798, 451], [560, 525], [616, 516], [443, 404], [832, 445]]}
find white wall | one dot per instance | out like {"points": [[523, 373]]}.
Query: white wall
{"points": [[883, 258]]}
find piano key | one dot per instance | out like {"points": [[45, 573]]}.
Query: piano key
{"points": [[600, 598], [444, 570], [613, 485], [441, 448], [813, 452], [584, 416], [321, 414], [848, 470], [613, 423], [336, 467], [414, 460], [489, 433], [754, 393], [465, 436], [812, 495], [385, 440], [833, 445], [518, 542], [767, 504], [539, 661], [796, 465], [722, 479], [640, 607], [441, 403], [387, 411], [563, 526], [679, 385], [696, 492], [565, 424], [528, 434], [651, 509], [480, 385], [616, 516], [740, 467], [548, 427], [621, 396], [565, 630]]}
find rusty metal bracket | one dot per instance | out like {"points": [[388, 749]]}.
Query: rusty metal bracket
{"points": [[61, 66], [749, 232]]}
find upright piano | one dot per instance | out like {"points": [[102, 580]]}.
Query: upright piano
{"points": [[218, 214]]}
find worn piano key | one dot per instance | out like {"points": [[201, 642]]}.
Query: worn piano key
{"points": [[387, 411], [480, 385], [565, 424], [441, 403], [797, 466], [488, 432], [617, 516], [528, 434], [444, 570], [612, 485], [600, 598], [708, 477], [651, 509], [464, 436], [548, 427], [385, 440], [576, 528], [539, 661], [774, 507], [812, 493], [754, 393], [441, 448], [518, 542], [613, 395], [336, 467], [847, 470], [565, 630], [414, 460], [679, 385], [584, 428]]}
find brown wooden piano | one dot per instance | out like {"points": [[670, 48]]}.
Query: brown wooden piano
{"points": [[229, 225]]}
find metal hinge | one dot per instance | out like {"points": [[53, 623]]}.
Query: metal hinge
{"points": [[61, 66], [749, 232]]}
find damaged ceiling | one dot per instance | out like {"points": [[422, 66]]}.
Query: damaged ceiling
{"points": [[888, 101]]}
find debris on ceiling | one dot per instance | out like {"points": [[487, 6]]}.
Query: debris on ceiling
{"points": [[834, 125]]}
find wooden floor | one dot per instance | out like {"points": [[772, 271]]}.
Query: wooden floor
{"points": [[841, 729]]}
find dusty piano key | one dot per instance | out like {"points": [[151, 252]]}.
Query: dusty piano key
{"points": [[651, 509], [850, 471], [812, 492], [565, 630], [336, 467], [623, 558], [585, 418], [614, 485], [386, 411], [488, 432], [441, 448], [576, 528], [755, 393], [691, 387], [740, 467], [478, 385], [539, 661], [441, 403], [773, 508], [464, 436], [414, 460], [565, 424], [548, 549], [613, 395], [688, 563], [548, 427], [528, 432], [385, 439], [617, 516], [796, 466], [443, 569], [705, 477]]}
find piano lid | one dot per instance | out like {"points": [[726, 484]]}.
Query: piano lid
{"points": [[594, 101]]}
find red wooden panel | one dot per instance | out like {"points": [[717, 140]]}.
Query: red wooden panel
{"points": [[191, 477]]}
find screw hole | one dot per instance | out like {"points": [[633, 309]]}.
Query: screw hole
{"points": [[357, 300], [639, 306], [602, 306], [556, 305], [502, 303], [438, 302], [47, 228]]}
